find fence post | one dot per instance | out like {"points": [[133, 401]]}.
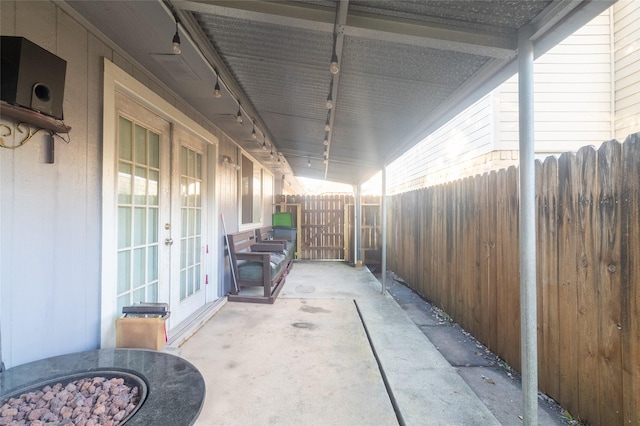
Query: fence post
{"points": [[528, 321]]}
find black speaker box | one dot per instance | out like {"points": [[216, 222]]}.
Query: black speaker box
{"points": [[31, 76]]}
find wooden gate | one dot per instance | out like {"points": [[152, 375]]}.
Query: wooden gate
{"points": [[325, 226], [322, 224]]}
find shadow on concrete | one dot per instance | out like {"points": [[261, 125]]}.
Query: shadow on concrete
{"points": [[496, 384]]}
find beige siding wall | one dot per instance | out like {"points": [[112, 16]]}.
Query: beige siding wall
{"points": [[50, 214], [572, 84], [627, 60], [49, 231]]}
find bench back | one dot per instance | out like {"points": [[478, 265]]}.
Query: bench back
{"points": [[264, 234], [238, 243]]}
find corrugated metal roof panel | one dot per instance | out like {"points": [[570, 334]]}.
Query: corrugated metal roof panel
{"points": [[405, 66]]}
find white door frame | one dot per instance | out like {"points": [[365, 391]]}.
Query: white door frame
{"points": [[116, 79]]}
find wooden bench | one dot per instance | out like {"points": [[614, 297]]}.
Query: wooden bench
{"points": [[257, 264], [267, 234]]}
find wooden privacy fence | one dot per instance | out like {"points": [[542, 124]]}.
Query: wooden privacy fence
{"points": [[371, 236], [457, 246]]}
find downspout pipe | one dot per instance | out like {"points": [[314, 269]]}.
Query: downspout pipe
{"points": [[527, 229]]}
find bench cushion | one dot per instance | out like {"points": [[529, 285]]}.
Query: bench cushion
{"points": [[286, 233], [253, 270]]}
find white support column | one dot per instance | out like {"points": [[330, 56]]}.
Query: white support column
{"points": [[528, 322], [383, 251]]}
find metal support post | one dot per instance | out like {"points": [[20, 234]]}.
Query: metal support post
{"points": [[383, 254], [357, 229], [528, 323]]}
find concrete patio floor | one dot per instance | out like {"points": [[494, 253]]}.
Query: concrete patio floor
{"points": [[332, 350]]}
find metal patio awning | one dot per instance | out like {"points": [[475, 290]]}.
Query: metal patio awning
{"points": [[405, 67]]}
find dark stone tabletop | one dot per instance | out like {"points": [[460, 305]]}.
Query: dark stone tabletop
{"points": [[175, 388]]}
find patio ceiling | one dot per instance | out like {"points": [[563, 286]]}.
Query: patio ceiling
{"points": [[405, 67]]}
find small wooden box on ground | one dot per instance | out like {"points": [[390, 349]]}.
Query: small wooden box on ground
{"points": [[141, 331]]}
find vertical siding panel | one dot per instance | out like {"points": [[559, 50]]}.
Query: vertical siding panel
{"points": [[8, 17], [37, 22]]}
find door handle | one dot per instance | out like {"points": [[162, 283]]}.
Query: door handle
{"points": [[168, 241]]}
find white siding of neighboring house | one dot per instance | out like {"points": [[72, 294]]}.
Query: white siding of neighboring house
{"points": [[572, 94], [50, 214], [627, 60], [445, 153], [573, 101]]}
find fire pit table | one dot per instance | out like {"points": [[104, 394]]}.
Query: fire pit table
{"points": [[174, 387]]}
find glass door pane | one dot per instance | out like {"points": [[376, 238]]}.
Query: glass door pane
{"points": [[190, 227], [138, 214]]}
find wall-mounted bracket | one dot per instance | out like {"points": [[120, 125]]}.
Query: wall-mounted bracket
{"points": [[28, 123]]}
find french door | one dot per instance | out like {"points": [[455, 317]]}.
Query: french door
{"points": [[188, 224], [161, 247]]}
